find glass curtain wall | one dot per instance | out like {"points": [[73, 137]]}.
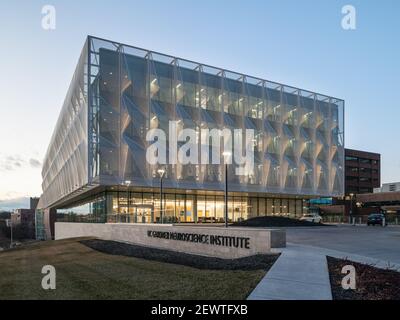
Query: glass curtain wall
{"points": [[298, 135], [137, 207], [119, 92]]}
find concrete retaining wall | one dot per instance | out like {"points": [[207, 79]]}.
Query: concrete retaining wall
{"points": [[221, 242]]}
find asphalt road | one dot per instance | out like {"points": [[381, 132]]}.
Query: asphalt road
{"points": [[375, 242]]}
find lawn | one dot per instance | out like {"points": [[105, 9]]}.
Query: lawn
{"points": [[84, 273]]}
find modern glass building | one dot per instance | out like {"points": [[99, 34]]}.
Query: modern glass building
{"points": [[95, 169]]}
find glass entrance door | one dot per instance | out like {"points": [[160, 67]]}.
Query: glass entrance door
{"points": [[143, 215]]}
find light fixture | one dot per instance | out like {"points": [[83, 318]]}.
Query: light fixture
{"points": [[161, 172]]}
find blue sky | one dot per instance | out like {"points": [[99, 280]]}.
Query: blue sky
{"points": [[299, 43]]}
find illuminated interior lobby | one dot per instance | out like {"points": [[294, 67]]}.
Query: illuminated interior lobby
{"points": [[144, 207]]}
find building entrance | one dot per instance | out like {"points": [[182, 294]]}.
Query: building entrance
{"points": [[143, 214]]}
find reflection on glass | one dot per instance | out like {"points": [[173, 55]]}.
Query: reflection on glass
{"points": [[136, 207]]}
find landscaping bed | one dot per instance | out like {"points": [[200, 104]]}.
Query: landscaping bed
{"points": [[371, 283], [255, 262], [269, 221]]}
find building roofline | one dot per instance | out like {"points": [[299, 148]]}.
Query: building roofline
{"points": [[363, 152], [214, 67]]}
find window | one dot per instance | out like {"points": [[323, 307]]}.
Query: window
{"points": [[351, 190], [270, 207], [350, 158], [352, 169], [366, 161]]}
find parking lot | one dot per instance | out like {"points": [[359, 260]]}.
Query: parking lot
{"points": [[374, 242]]}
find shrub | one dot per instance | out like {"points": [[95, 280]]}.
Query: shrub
{"points": [[20, 231]]}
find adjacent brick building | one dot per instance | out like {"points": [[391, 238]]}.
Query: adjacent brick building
{"points": [[362, 175], [362, 171]]}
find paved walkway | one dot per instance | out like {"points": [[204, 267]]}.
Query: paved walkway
{"points": [[298, 274], [301, 273]]}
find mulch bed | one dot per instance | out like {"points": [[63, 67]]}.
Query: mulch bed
{"points": [[268, 221], [371, 283], [255, 262]]}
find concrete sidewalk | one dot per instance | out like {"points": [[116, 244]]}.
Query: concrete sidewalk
{"points": [[298, 274], [301, 273]]}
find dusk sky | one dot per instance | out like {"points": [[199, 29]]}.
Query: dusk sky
{"points": [[299, 43]]}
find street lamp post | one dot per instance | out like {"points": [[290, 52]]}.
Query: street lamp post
{"points": [[10, 224], [161, 172], [226, 195], [351, 207], [226, 155]]}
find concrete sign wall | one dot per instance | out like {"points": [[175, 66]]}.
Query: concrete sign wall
{"points": [[210, 241]]}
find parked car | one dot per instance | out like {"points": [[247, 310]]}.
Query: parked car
{"points": [[311, 218], [376, 218]]}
